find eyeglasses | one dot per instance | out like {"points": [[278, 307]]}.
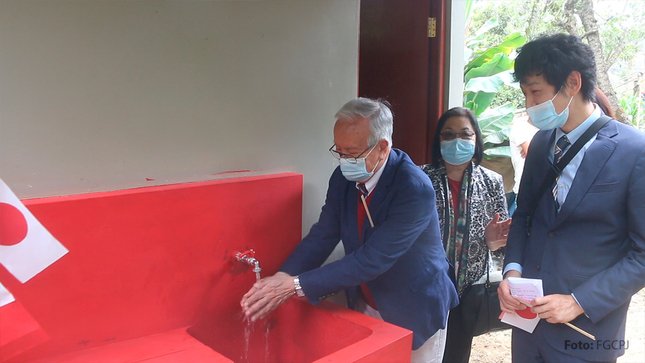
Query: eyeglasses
{"points": [[350, 158], [449, 135]]}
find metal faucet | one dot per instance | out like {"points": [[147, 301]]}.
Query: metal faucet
{"points": [[247, 258]]}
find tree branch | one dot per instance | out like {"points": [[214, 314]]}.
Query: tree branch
{"points": [[585, 35], [611, 57], [529, 24]]}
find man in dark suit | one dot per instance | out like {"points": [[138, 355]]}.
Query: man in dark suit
{"points": [[584, 236], [382, 207]]}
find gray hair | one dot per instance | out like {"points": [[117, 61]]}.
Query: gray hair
{"points": [[376, 112]]}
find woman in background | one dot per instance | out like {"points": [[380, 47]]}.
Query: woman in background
{"points": [[472, 214]]}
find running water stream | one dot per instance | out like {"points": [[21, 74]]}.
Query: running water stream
{"points": [[249, 328]]}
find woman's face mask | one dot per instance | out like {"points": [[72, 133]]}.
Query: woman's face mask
{"points": [[544, 116], [457, 151]]}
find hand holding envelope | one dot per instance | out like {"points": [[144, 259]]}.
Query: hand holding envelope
{"points": [[527, 291]]}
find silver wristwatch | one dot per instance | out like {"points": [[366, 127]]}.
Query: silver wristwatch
{"points": [[298, 288]]}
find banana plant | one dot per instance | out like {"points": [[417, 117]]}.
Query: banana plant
{"points": [[485, 74], [495, 126]]}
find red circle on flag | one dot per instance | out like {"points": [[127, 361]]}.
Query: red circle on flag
{"points": [[526, 313], [13, 225]]}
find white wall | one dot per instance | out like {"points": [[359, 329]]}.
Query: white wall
{"points": [[100, 95]]}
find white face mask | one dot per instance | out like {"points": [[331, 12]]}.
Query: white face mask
{"points": [[356, 171], [544, 116], [457, 151]]}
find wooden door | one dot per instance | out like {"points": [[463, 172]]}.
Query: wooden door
{"points": [[399, 61]]}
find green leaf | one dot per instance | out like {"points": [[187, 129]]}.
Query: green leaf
{"points": [[478, 101], [469, 6], [485, 75], [503, 110], [497, 137], [499, 63], [479, 92], [495, 124], [491, 84], [510, 43]]}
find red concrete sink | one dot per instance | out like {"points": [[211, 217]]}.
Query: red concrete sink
{"points": [[300, 332], [150, 277]]}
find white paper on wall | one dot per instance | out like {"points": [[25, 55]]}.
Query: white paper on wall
{"points": [[26, 247]]}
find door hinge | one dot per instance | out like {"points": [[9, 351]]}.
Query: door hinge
{"points": [[432, 27]]}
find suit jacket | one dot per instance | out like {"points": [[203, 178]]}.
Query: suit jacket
{"points": [[595, 246], [401, 258]]}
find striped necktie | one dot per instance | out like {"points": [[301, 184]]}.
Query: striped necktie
{"points": [[560, 148], [362, 188]]}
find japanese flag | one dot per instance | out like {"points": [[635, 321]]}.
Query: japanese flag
{"points": [[26, 247]]}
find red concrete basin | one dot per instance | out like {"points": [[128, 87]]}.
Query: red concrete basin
{"points": [[300, 332], [150, 278]]}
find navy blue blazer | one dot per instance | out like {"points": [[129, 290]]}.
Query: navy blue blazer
{"points": [[402, 258], [595, 246]]}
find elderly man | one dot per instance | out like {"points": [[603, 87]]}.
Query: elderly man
{"points": [[382, 207]]}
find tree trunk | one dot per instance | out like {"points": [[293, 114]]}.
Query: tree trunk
{"points": [[586, 13], [569, 21]]}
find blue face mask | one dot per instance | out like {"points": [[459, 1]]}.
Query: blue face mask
{"points": [[356, 172], [544, 116], [457, 151]]}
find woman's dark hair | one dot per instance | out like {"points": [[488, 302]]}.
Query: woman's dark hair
{"points": [[457, 112], [555, 57], [603, 101]]}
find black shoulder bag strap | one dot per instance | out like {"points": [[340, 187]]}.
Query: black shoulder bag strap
{"points": [[556, 169]]}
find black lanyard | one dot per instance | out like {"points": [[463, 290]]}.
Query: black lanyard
{"points": [[556, 169]]}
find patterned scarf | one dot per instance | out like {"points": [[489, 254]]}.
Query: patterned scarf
{"points": [[456, 231]]}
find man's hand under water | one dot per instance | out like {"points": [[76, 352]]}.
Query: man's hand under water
{"points": [[266, 295]]}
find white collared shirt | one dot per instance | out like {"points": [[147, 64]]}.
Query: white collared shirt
{"points": [[370, 184], [569, 173]]}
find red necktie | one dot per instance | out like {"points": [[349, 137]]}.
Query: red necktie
{"points": [[362, 215]]}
